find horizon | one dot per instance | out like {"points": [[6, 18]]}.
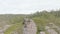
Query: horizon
{"points": [[27, 6], [31, 12]]}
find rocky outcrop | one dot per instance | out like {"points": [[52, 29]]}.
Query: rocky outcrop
{"points": [[29, 26]]}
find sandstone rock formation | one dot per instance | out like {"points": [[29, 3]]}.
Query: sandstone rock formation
{"points": [[29, 26]]}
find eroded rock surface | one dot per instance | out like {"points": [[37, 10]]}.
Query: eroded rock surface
{"points": [[29, 26]]}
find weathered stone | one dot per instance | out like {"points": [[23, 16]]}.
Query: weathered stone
{"points": [[42, 32], [29, 26], [50, 31]]}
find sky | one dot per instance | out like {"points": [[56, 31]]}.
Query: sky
{"points": [[27, 6]]}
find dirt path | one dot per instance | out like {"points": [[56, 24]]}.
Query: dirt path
{"points": [[2, 29]]}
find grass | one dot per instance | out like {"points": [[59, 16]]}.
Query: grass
{"points": [[12, 28]]}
